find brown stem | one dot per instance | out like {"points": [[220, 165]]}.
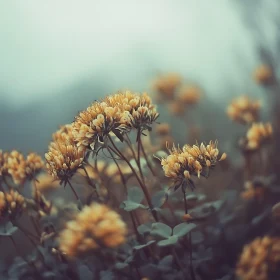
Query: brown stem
{"points": [[146, 158], [142, 185], [91, 184], [119, 169], [185, 200], [73, 190]]}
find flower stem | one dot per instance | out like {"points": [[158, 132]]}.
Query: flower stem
{"points": [[142, 185]]}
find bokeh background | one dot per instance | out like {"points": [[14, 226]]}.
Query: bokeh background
{"points": [[58, 56]]}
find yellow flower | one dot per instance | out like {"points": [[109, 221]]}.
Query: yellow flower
{"points": [[190, 160], [64, 157], [163, 129], [95, 227], [257, 135], [166, 85], [244, 110], [117, 114], [263, 75], [15, 165], [12, 204], [259, 259], [189, 95]]}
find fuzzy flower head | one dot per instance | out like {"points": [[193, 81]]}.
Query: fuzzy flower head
{"points": [[64, 157], [195, 160], [167, 85], [12, 204], [259, 258], [244, 110], [95, 227], [263, 75], [257, 135], [18, 168], [116, 114], [190, 95]]}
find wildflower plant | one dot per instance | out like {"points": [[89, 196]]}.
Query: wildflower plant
{"points": [[141, 211]]}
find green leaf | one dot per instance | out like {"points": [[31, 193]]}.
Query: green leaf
{"points": [[182, 229], [144, 229], [158, 199], [168, 242], [8, 229], [161, 229], [129, 205], [135, 194]]}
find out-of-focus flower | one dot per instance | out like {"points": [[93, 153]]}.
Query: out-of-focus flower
{"points": [[189, 95], [253, 191], [95, 227], [263, 75], [45, 182], [12, 204], [64, 157], [244, 110], [259, 259], [163, 129], [177, 108], [34, 163], [15, 165], [257, 135], [187, 217], [42, 206], [195, 160], [166, 85]]}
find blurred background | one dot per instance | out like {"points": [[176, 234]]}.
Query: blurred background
{"points": [[58, 56]]}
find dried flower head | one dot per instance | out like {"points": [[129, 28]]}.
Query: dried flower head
{"points": [[189, 95], [257, 135], [96, 226], [12, 204], [117, 114], [166, 85], [259, 259], [163, 129], [263, 75], [244, 110], [34, 164], [15, 165], [42, 206], [64, 157], [196, 160]]}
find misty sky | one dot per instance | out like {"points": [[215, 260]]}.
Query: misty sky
{"points": [[47, 46]]}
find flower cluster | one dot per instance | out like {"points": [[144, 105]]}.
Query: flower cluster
{"points": [[117, 114], [64, 157], [96, 226], [15, 165], [166, 85], [12, 204], [257, 135], [244, 110], [263, 75], [190, 160], [259, 259]]}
